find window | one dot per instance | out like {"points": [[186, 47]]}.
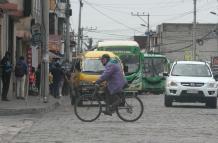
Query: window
{"points": [[51, 23], [92, 65], [131, 62], [63, 1]]}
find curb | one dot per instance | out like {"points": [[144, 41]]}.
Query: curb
{"points": [[7, 112]]}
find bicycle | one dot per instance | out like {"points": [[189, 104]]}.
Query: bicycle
{"points": [[129, 110]]}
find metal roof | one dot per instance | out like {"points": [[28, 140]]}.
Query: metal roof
{"points": [[118, 43]]}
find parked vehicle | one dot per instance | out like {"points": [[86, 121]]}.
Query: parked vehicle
{"points": [[190, 81]]}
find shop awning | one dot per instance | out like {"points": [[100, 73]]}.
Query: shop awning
{"points": [[54, 56], [23, 34], [8, 6], [3, 1]]}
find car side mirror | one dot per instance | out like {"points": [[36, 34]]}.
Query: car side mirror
{"points": [[165, 74]]}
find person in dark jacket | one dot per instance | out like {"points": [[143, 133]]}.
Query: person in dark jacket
{"points": [[57, 78], [114, 76], [21, 72], [38, 76], [6, 75]]}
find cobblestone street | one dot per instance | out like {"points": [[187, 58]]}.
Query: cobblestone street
{"points": [[183, 123]]}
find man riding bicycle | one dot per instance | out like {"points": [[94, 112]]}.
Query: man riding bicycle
{"points": [[114, 76]]}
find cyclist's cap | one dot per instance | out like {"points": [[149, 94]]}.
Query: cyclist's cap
{"points": [[106, 56]]}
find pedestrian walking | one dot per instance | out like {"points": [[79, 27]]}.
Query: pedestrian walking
{"points": [[57, 79], [61, 83], [6, 74], [20, 74], [38, 76], [32, 79], [50, 80], [70, 78]]}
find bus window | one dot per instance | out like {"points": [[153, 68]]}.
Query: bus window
{"points": [[131, 62]]}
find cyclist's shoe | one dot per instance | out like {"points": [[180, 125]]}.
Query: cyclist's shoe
{"points": [[112, 108], [107, 112]]}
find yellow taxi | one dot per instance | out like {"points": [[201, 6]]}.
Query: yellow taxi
{"points": [[90, 68]]}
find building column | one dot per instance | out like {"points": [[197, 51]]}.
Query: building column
{"points": [[4, 34]]}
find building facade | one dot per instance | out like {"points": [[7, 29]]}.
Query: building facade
{"points": [[15, 30], [57, 25], [176, 41]]}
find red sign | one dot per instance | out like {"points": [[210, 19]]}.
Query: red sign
{"points": [[29, 59]]}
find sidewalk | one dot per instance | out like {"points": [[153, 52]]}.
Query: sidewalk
{"points": [[32, 105]]}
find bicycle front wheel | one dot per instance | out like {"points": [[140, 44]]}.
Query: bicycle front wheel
{"points": [[131, 109], [87, 108]]}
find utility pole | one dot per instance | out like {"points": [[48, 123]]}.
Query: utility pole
{"points": [[79, 28], [149, 44], [67, 48], [194, 32], [44, 48], [81, 39], [146, 24]]}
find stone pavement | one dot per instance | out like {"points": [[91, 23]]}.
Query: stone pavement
{"points": [[31, 105]]}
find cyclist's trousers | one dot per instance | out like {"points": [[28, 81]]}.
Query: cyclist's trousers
{"points": [[110, 98]]}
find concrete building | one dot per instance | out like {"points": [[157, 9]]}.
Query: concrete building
{"points": [[145, 46], [176, 41], [57, 16]]}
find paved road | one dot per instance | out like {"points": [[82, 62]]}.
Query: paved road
{"points": [[180, 124]]}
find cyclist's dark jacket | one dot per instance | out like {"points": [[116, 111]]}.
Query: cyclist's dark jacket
{"points": [[114, 76]]}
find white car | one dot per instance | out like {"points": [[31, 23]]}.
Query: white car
{"points": [[190, 81]]}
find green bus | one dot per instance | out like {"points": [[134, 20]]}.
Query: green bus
{"points": [[154, 66], [132, 59]]}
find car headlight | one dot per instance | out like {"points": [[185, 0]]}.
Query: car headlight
{"points": [[172, 83], [212, 85]]}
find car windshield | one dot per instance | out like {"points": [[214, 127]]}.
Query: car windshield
{"points": [[194, 70], [92, 65], [130, 61]]}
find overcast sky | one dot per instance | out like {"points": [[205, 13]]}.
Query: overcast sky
{"points": [[112, 19]]}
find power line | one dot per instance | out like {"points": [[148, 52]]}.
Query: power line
{"points": [[109, 34], [111, 18], [178, 50]]}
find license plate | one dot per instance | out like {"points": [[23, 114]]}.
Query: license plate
{"points": [[193, 91]]}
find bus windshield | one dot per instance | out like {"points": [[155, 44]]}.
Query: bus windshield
{"points": [[131, 62], [154, 66]]}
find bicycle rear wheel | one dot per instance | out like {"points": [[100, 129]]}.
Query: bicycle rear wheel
{"points": [[131, 110], [89, 110]]}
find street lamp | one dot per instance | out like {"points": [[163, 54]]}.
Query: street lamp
{"points": [[144, 25], [214, 13]]}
